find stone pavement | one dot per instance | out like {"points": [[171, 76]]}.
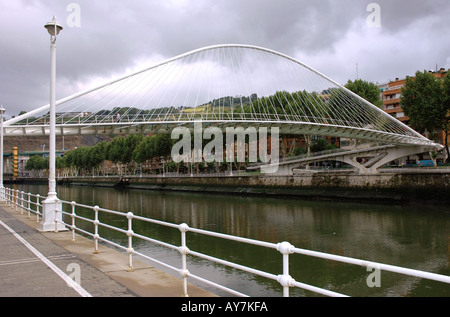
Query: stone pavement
{"points": [[39, 264]]}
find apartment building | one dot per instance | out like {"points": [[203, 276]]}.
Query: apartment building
{"points": [[391, 94], [391, 97]]}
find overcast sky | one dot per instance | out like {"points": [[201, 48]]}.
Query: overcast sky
{"points": [[103, 39]]}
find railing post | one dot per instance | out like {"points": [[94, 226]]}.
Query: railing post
{"points": [[37, 207], [96, 236], [21, 202], [73, 220], [285, 248], [130, 241], [29, 205], [184, 251], [16, 199]]}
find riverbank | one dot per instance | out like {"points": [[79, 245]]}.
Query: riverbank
{"points": [[412, 187]]}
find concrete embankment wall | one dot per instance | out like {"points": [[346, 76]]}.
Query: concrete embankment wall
{"points": [[384, 187]]}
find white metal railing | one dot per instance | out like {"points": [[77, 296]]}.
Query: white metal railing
{"points": [[32, 204], [24, 201]]}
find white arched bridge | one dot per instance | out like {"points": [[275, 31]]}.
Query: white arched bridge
{"points": [[222, 86]]}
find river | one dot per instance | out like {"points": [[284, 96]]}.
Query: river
{"points": [[412, 236]]}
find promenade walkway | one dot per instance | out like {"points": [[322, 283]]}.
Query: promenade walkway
{"points": [[40, 264]]}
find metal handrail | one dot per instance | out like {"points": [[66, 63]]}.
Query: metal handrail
{"points": [[16, 198], [24, 201]]}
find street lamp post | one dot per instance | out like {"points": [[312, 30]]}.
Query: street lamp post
{"points": [[52, 203], [2, 191]]}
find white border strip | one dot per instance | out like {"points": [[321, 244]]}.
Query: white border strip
{"points": [[70, 282]]}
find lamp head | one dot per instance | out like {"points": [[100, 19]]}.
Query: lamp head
{"points": [[53, 27]]}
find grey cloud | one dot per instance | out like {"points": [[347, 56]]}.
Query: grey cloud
{"points": [[114, 34]]}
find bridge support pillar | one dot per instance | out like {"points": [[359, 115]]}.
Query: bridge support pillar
{"points": [[361, 168], [383, 158], [277, 170]]}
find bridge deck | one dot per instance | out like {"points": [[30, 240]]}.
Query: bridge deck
{"points": [[34, 264]]}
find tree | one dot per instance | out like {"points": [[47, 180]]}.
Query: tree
{"points": [[425, 100], [94, 156], [60, 162], [115, 149], [98, 153], [158, 145], [367, 90], [145, 149], [120, 149], [319, 145], [37, 163]]}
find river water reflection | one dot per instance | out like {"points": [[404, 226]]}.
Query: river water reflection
{"points": [[413, 236]]}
